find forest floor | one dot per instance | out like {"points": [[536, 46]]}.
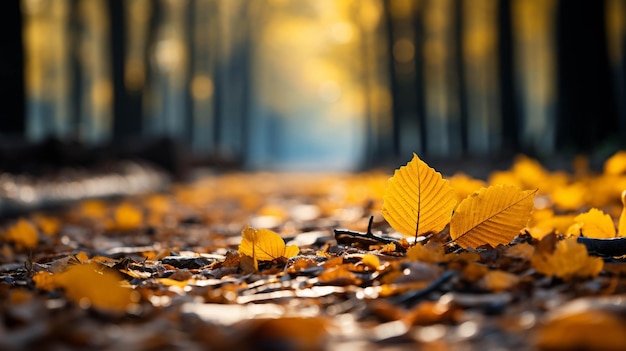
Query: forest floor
{"points": [[163, 271]]}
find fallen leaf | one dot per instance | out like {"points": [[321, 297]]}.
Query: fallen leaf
{"points": [[127, 217], [23, 234], [465, 185], [595, 224], [493, 215], [371, 261], [339, 276], [498, 281], [264, 245], [90, 284], [585, 324], [291, 333], [93, 209], [431, 252], [47, 224], [616, 164], [569, 259], [521, 250], [558, 224], [570, 197], [45, 281], [418, 200]]}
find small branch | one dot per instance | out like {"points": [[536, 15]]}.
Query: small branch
{"points": [[411, 296], [604, 247], [347, 237]]}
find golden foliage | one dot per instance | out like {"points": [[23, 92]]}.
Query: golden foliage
{"points": [[616, 164], [430, 252], [127, 217], [465, 185], [499, 280], [23, 234], [89, 284], [569, 259], [418, 200], [493, 215], [583, 329], [264, 245], [593, 224], [542, 225], [371, 261]]}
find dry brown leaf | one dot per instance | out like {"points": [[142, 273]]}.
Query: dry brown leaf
{"points": [[493, 215], [418, 200]]}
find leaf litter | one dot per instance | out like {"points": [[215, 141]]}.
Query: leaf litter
{"points": [[309, 262]]}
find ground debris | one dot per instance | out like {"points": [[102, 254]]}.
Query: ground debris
{"points": [[180, 279]]}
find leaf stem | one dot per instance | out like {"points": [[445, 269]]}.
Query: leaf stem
{"points": [[419, 202]]}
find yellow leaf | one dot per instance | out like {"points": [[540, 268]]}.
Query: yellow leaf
{"points": [[49, 225], [45, 281], [127, 217], [568, 260], [465, 185], [570, 197], [558, 224], [82, 257], [91, 284], [579, 326], [596, 224], [493, 215], [499, 280], [23, 234], [530, 172], [93, 209], [616, 164], [264, 245], [521, 250], [418, 200], [173, 282], [621, 230], [504, 177], [371, 261], [432, 252]]}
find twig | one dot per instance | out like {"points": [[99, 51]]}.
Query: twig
{"points": [[411, 296], [604, 247], [347, 237]]}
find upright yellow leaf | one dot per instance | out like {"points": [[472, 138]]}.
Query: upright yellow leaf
{"points": [[493, 215], [264, 245], [595, 224], [621, 229], [418, 200]]}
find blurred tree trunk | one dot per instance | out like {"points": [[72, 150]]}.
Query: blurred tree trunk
{"points": [[11, 70], [586, 106]]}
